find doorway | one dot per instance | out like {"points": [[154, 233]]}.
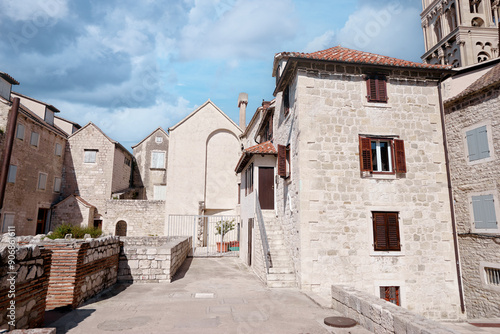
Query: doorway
{"points": [[41, 220], [266, 188]]}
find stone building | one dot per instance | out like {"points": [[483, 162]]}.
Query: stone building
{"points": [[359, 184], [97, 169], [472, 119], [460, 32], [151, 159], [36, 162], [201, 152]]}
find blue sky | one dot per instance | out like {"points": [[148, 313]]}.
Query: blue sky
{"points": [[131, 66]]}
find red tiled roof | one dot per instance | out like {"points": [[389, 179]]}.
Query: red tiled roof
{"points": [[489, 79], [346, 55], [263, 148]]}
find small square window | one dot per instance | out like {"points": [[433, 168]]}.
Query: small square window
{"points": [[126, 161], [376, 86], [58, 150], [34, 139], [42, 181], [477, 143], [20, 132], [492, 276], [57, 185], [90, 156], [11, 176], [159, 139], [391, 294]]}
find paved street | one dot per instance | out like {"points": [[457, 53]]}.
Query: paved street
{"points": [[208, 295]]}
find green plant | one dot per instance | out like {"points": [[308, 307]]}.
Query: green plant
{"points": [[77, 232], [223, 227]]}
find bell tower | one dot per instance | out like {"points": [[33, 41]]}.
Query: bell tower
{"points": [[460, 32]]}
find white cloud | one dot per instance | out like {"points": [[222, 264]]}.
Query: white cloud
{"points": [[34, 10], [242, 31], [390, 29], [322, 42]]}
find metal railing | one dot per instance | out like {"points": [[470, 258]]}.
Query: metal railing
{"points": [[263, 234], [207, 241]]}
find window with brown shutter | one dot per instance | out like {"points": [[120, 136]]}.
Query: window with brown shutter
{"points": [[386, 231], [381, 155], [284, 161], [376, 88]]}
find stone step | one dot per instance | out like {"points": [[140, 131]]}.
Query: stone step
{"points": [[281, 277], [281, 270], [281, 263], [281, 284], [279, 253]]}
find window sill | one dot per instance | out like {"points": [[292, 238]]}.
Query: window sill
{"points": [[377, 104], [378, 176], [387, 253]]}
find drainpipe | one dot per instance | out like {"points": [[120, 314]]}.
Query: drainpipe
{"points": [[450, 195], [11, 131]]}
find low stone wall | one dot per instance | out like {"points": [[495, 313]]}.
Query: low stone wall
{"points": [[152, 259], [23, 285], [81, 269], [380, 316]]}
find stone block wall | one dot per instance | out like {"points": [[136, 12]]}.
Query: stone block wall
{"points": [[81, 269], [380, 316], [32, 270], [152, 259], [482, 300], [143, 217]]}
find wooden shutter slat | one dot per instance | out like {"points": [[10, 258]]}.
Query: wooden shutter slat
{"points": [[381, 89], [472, 144], [393, 231], [399, 149], [365, 154], [380, 231], [482, 143], [371, 90], [282, 160]]}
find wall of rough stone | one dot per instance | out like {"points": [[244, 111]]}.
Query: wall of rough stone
{"points": [[329, 220], [32, 268], [81, 269], [482, 300], [143, 217], [152, 259], [380, 316], [23, 198], [72, 211], [121, 170]]}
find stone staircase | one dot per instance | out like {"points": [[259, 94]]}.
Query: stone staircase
{"points": [[281, 274]]}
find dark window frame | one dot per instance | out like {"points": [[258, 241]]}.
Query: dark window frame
{"points": [[386, 234], [376, 88]]}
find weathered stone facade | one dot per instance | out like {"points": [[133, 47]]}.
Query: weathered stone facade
{"points": [[152, 259], [152, 177], [38, 167], [142, 217], [32, 270], [73, 210], [326, 205], [479, 248]]}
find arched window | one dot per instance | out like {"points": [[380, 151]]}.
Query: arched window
{"points": [[121, 228], [477, 22], [482, 56]]}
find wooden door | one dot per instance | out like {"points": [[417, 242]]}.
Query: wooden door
{"points": [[266, 188]]}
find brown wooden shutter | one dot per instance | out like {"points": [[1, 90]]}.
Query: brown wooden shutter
{"points": [[393, 231], [381, 89], [380, 231], [365, 154], [371, 89], [399, 152], [282, 160]]}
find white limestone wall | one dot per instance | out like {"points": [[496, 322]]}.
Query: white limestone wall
{"points": [[331, 231], [187, 174]]}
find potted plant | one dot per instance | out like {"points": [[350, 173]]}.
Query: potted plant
{"points": [[222, 228]]}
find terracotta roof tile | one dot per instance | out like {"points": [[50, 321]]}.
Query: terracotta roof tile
{"points": [[490, 78], [263, 148], [346, 55]]}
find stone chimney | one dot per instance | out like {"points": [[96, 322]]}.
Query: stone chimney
{"points": [[242, 104]]}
